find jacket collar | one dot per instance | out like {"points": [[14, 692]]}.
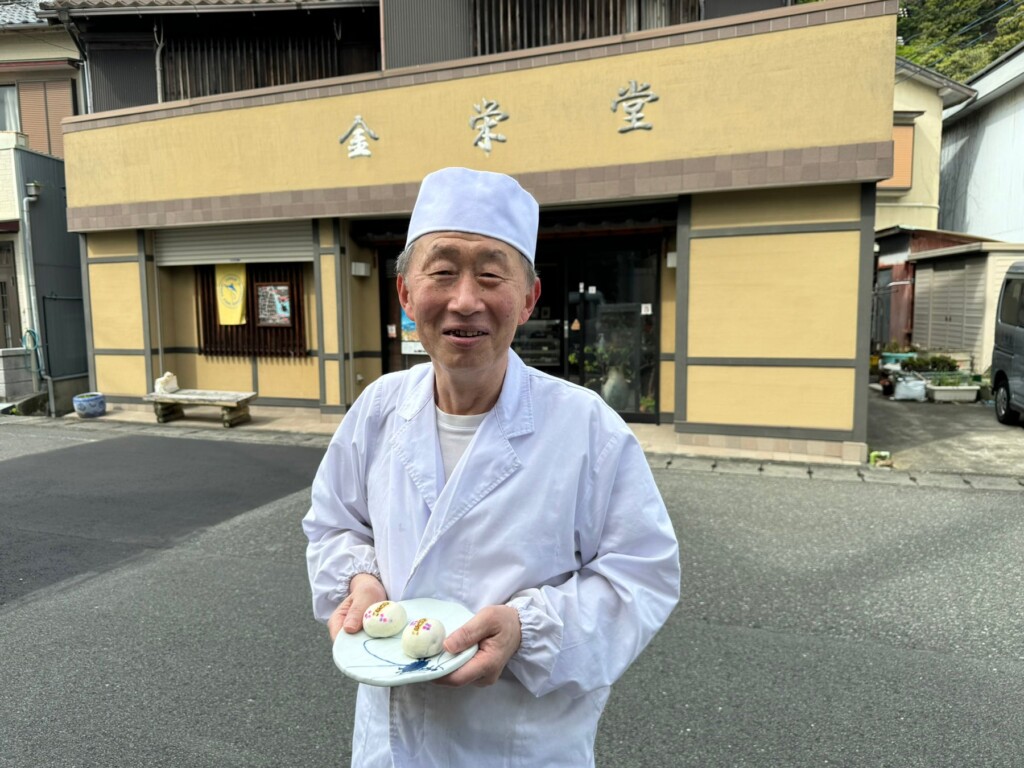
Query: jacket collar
{"points": [[514, 409]]}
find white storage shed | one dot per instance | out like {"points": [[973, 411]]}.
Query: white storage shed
{"points": [[956, 293]]}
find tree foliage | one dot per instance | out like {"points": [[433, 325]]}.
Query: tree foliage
{"points": [[958, 38]]}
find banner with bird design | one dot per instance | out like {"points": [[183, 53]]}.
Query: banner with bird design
{"points": [[231, 294]]}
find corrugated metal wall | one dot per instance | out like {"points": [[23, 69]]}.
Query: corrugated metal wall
{"points": [[122, 77], [949, 306], [272, 242], [207, 66], [716, 9], [425, 31], [500, 26]]}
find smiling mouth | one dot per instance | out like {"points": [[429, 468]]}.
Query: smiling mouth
{"points": [[465, 334]]}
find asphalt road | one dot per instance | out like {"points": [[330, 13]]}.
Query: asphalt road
{"points": [[78, 509], [823, 622]]}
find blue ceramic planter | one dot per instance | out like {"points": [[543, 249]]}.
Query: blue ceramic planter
{"points": [[90, 404]]}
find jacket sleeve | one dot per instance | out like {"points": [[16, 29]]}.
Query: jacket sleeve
{"points": [[337, 525], [582, 634]]}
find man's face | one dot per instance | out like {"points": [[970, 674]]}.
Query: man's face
{"points": [[467, 294]]}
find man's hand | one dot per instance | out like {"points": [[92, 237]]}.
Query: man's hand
{"points": [[364, 591], [496, 628]]}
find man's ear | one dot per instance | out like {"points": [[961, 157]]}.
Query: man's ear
{"points": [[403, 298], [531, 301]]}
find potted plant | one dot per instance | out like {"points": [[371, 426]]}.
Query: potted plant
{"points": [[89, 404], [894, 352], [944, 381]]}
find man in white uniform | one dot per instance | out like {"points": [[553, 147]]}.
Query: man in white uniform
{"points": [[478, 480]]}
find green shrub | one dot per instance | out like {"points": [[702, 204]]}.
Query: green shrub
{"points": [[925, 363]]}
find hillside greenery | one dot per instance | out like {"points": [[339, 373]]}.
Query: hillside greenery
{"points": [[958, 38]]}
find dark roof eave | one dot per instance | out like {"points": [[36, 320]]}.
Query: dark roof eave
{"points": [[138, 10]]}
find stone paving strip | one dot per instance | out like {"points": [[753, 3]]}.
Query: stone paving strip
{"points": [[837, 473], [812, 472]]}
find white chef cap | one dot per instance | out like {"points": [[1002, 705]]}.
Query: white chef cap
{"points": [[479, 203]]}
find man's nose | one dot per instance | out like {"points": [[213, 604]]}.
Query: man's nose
{"points": [[466, 296]]}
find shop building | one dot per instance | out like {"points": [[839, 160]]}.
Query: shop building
{"points": [[706, 249]]}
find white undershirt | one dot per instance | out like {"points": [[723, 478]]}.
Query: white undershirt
{"points": [[455, 434]]}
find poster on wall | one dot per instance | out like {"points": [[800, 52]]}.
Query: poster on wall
{"points": [[274, 304], [410, 337], [230, 294]]}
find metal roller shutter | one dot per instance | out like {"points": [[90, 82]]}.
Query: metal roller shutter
{"points": [[276, 241]]}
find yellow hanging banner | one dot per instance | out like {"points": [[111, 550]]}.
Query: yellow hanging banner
{"points": [[231, 294]]}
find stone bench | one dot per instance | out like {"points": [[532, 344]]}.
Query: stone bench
{"points": [[169, 406]]}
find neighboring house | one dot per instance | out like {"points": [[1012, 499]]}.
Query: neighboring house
{"points": [[910, 197], [895, 283], [907, 209], [38, 76], [983, 154], [707, 222], [956, 297], [42, 327]]}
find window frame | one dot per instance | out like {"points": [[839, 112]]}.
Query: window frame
{"points": [[252, 338]]}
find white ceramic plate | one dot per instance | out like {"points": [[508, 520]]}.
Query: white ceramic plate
{"points": [[380, 661]]}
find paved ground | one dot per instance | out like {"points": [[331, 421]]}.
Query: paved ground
{"points": [[85, 507], [823, 622], [944, 437]]}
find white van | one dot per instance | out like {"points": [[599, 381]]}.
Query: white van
{"points": [[1008, 352]]}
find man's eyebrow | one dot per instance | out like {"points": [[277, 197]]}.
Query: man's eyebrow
{"points": [[441, 251]]}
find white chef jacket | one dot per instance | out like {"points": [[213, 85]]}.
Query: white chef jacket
{"points": [[552, 509]]}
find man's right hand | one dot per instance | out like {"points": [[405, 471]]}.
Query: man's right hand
{"points": [[364, 591]]}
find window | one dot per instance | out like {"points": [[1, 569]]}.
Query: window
{"points": [[902, 161], [9, 108], [1011, 311], [257, 335]]}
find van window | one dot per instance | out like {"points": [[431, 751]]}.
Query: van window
{"points": [[1011, 311]]}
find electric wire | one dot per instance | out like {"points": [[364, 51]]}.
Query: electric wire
{"points": [[995, 13]]}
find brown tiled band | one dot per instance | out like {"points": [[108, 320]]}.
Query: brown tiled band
{"points": [[763, 22], [667, 179]]}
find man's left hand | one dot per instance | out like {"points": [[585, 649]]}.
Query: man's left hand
{"points": [[496, 628]]}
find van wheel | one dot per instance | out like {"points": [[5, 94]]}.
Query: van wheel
{"points": [[1004, 413]]}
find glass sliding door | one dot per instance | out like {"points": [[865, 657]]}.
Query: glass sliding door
{"points": [[597, 323]]}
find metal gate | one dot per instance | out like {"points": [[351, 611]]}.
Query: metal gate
{"points": [[64, 336]]}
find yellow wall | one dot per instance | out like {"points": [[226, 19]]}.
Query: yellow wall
{"points": [[328, 280], [309, 310], [117, 243], [178, 307], [667, 369], [332, 382], [560, 117], [919, 205], [365, 293], [289, 377], [228, 373], [795, 205], [121, 375], [792, 295], [115, 293], [809, 398]]}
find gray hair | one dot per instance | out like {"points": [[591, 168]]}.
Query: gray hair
{"points": [[405, 259]]}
